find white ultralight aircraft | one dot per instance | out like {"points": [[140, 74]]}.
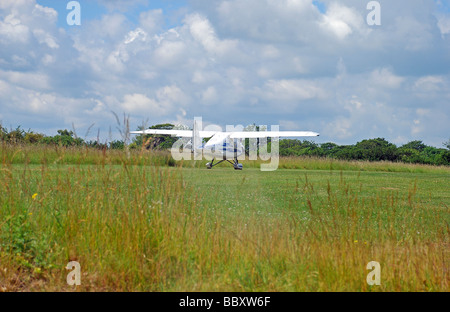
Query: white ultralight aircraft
{"points": [[223, 145]]}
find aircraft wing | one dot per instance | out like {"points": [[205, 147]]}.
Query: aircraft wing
{"points": [[177, 133], [265, 134], [232, 135]]}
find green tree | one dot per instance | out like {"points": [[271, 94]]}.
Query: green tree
{"points": [[447, 144], [154, 141], [328, 147], [345, 152], [416, 145], [63, 138], [16, 136], [117, 144], [409, 155], [376, 149], [3, 133], [33, 138]]}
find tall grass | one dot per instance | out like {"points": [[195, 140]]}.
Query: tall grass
{"points": [[135, 225], [54, 154], [322, 163], [76, 155], [106, 217]]}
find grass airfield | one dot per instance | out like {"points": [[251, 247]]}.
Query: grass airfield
{"points": [[136, 224]]}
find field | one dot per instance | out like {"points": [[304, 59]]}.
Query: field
{"points": [[141, 222]]}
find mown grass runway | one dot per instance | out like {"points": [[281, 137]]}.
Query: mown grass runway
{"points": [[138, 225]]}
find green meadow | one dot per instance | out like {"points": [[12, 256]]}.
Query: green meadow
{"points": [[139, 221]]}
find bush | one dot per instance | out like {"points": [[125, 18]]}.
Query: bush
{"points": [[63, 138]]}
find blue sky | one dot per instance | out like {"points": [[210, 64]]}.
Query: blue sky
{"points": [[92, 9], [299, 64]]}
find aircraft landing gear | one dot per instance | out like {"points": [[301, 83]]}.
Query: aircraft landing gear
{"points": [[235, 163]]}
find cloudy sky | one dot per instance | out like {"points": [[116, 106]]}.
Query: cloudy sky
{"points": [[299, 64]]}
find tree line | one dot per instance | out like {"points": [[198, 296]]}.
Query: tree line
{"points": [[378, 149], [63, 138]]}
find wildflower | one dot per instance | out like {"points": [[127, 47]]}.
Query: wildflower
{"points": [[355, 241], [34, 195]]}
